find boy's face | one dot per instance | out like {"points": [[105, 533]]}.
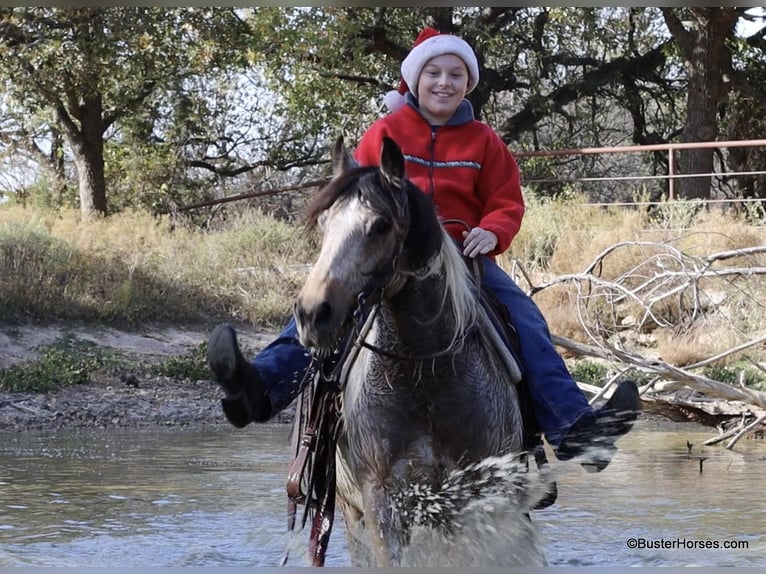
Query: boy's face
{"points": [[442, 85]]}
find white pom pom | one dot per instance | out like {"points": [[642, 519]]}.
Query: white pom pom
{"points": [[393, 100]]}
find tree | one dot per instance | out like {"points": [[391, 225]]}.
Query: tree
{"points": [[551, 77], [166, 95], [89, 68], [547, 73], [703, 36]]}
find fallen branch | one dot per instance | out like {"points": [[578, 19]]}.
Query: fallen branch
{"points": [[746, 430], [669, 287], [679, 377], [666, 288], [724, 435], [732, 351]]}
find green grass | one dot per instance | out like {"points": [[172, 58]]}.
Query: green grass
{"points": [[590, 372], [70, 362], [191, 365], [736, 375], [61, 364]]}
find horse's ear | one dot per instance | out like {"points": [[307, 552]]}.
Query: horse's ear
{"points": [[342, 160], [392, 162]]}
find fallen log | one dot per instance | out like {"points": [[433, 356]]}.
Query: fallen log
{"points": [[685, 396]]}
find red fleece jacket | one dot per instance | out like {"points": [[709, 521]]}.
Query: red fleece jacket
{"points": [[465, 167]]}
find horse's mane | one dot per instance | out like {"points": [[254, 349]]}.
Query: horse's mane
{"points": [[428, 248], [461, 290]]}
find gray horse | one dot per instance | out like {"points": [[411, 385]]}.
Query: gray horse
{"points": [[428, 397]]}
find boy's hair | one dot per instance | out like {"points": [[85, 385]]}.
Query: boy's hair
{"points": [[429, 44]]}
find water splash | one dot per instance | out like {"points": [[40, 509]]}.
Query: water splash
{"points": [[489, 532], [477, 517]]}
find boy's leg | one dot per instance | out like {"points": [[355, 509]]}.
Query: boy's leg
{"points": [[558, 401], [257, 390], [563, 414], [282, 365]]}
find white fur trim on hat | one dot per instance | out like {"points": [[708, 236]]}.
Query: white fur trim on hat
{"points": [[435, 46], [393, 100]]}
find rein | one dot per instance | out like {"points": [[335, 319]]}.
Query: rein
{"points": [[318, 422]]}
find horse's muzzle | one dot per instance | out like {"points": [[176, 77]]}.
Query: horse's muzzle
{"points": [[319, 322]]}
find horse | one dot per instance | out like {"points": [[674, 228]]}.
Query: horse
{"points": [[428, 397]]}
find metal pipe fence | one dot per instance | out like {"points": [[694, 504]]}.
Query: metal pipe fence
{"points": [[671, 177]]}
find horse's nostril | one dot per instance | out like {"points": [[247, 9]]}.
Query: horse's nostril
{"points": [[323, 314]]}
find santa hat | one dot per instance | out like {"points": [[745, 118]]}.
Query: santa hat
{"points": [[430, 43]]}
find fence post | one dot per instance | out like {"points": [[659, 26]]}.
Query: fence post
{"points": [[671, 173]]}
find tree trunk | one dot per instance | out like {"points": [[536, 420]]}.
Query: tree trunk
{"points": [[88, 149], [708, 63], [56, 163]]}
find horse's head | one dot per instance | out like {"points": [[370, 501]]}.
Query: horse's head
{"points": [[365, 217]]}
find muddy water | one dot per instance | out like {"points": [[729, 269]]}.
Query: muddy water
{"points": [[216, 498]]}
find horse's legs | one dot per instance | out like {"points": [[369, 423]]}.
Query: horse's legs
{"points": [[358, 548], [378, 520]]}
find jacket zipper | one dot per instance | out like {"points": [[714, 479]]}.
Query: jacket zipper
{"points": [[431, 186]]}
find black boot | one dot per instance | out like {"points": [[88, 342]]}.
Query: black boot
{"points": [[246, 399], [595, 435]]}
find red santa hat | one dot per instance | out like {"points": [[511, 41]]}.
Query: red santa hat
{"points": [[429, 44]]}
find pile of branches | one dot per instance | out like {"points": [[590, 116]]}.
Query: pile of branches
{"points": [[657, 285]]}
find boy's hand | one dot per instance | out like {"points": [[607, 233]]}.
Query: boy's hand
{"points": [[478, 241]]}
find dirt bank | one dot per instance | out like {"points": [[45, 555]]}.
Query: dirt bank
{"points": [[120, 399]]}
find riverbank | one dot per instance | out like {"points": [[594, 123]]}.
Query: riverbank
{"points": [[127, 397], [131, 393]]}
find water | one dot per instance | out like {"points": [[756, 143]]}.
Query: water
{"points": [[216, 498]]}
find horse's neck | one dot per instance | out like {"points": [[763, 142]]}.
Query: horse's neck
{"points": [[420, 316]]}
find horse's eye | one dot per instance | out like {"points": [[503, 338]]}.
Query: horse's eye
{"points": [[380, 226]]}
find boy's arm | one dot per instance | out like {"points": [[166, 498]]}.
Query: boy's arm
{"points": [[500, 190]]}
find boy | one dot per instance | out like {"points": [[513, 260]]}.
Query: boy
{"points": [[470, 175]]}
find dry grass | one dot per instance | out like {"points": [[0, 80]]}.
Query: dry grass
{"points": [[730, 310], [133, 268]]}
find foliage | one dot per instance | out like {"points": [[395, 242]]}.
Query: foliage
{"points": [[748, 377], [191, 365], [58, 365], [83, 70], [553, 77], [589, 372], [73, 362], [189, 100], [530, 57]]}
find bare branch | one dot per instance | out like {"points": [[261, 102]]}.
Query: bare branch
{"points": [[671, 289]]}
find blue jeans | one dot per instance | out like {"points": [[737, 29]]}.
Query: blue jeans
{"points": [[557, 400]]}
